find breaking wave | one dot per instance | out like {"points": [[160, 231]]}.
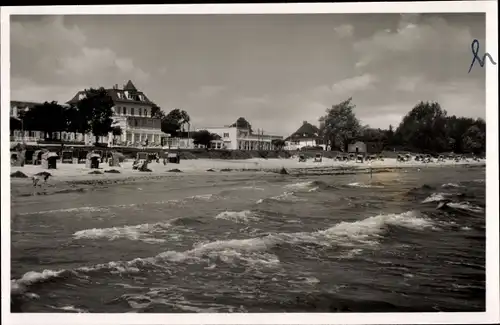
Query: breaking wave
{"points": [[436, 197], [285, 197], [250, 253], [466, 206], [137, 232], [237, 216], [363, 185], [451, 185]]}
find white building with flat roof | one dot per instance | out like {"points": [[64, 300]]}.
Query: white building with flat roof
{"points": [[234, 138]]}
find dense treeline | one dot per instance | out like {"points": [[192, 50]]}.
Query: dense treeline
{"points": [[427, 128]]}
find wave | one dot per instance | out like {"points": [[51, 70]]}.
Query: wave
{"points": [[137, 232], [363, 185], [255, 252], [237, 216], [436, 197], [285, 197], [451, 185], [466, 206], [70, 308]]}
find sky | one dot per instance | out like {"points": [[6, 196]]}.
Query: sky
{"points": [[275, 70]]}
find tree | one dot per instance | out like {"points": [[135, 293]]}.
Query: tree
{"points": [[424, 128], [15, 124], [279, 144], [95, 109], [47, 118], [242, 123], [378, 136], [203, 137], [474, 140], [174, 121], [156, 112], [340, 125], [456, 127]]}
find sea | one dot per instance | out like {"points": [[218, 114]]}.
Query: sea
{"points": [[411, 240]]}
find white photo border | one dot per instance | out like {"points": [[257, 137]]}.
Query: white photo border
{"points": [[492, 314]]}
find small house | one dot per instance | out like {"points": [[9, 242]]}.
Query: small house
{"points": [[92, 160], [357, 147], [49, 160]]}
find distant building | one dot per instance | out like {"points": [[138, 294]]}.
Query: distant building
{"points": [[357, 147], [132, 113], [234, 138], [16, 109], [306, 136]]}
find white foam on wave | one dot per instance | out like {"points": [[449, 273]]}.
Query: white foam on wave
{"points": [[363, 185], [466, 206], [300, 186], [435, 197], [284, 197], [237, 216], [137, 232], [70, 308], [254, 252], [451, 185], [80, 209], [202, 197]]}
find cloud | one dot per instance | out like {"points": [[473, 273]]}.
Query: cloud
{"points": [[62, 56], [344, 31], [208, 91]]}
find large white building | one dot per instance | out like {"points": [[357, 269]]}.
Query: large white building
{"points": [[306, 136], [132, 113], [234, 138]]}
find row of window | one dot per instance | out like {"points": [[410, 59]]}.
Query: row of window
{"points": [[131, 111], [127, 95], [145, 123]]}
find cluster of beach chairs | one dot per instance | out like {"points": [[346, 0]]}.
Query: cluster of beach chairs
{"points": [[441, 158], [358, 158]]}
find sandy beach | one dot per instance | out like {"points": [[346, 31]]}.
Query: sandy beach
{"points": [[76, 172]]}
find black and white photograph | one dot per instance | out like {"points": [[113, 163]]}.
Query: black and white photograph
{"points": [[251, 163]]}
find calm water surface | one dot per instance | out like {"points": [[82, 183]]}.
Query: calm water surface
{"points": [[255, 243]]}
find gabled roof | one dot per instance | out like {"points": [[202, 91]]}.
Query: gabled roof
{"points": [[118, 95], [306, 131], [130, 86]]}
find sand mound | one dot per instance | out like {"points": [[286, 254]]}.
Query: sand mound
{"points": [[210, 170], [175, 170], [112, 171], [226, 170], [18, 174], [95, 172]]}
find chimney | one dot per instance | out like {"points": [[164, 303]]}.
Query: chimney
{"points": [[305, 122]]}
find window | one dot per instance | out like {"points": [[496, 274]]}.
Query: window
{"points": [[140, 111], [81, 96], [117, 110], [124, 111], [226, 135], [119, 95], [132, 111], [141, 98], [127, 95]]}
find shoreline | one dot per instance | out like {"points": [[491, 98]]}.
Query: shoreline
{"points": [[77, 173]]}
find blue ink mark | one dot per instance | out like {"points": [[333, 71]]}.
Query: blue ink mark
{"points": [[475, 51]]}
